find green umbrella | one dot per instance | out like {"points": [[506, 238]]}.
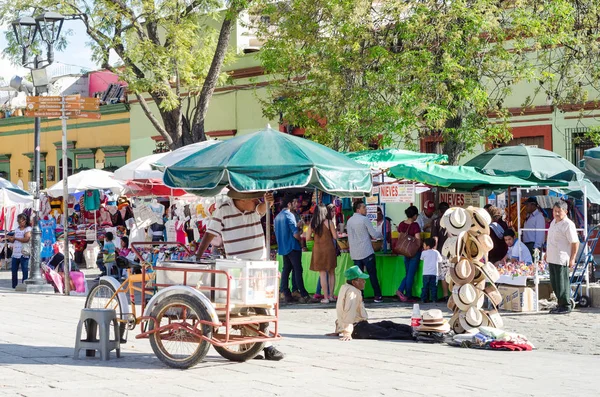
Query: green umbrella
{"points": [[455, 177], [269, 160], [387, 158], [526, 162], [575, 189]]}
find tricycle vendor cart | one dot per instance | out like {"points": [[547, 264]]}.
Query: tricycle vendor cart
{"points": [[187, 306]]}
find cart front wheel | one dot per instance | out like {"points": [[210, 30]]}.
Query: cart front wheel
{"points": [[247, 351], [177, 342], [584, 301]]}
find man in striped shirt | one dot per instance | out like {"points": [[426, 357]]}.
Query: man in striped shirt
{"points": [[238, 223]]}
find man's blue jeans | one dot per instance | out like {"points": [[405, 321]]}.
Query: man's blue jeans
{"points": [[429, 291], [292, 261], [369, 263], [411, 265], [24, 263]]}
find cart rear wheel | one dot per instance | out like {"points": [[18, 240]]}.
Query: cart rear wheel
{"points": [[584, 301], [248, 351], [178, 344], [102, 296]]}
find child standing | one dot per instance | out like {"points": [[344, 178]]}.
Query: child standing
{"points": [[430, 258], [109, 250]]}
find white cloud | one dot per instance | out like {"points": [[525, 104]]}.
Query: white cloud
{"points": [[8, 70]]}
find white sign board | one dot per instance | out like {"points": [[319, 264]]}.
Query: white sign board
{"points": [[397, 193], [460, 199], [372, 214]]}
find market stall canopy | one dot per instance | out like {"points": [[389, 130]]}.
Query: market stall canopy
{"points": [[10, 198], [152, 187], [387, 158], [526, 162], [183, 152], [88, 180], [269, 160], [590, 164], [140, 169], [575, 189], [455, 177], [8, 185]]}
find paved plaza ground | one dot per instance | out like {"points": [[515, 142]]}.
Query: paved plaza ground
{"points": [[37, 335]]}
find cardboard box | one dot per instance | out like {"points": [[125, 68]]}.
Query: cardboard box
{"points": [[517, 299]]}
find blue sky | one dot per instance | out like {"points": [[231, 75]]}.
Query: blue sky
{"points": [[77, 55]]}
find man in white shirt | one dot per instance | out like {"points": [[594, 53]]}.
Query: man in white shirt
{"points": [[360, 232], [425, 218], [563, 245], [535, 220], [517, 251]]}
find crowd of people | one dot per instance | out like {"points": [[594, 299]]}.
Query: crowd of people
{"points": [[507, 247]]}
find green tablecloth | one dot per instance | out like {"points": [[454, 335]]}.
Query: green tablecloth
{"points": [[390, 272]]}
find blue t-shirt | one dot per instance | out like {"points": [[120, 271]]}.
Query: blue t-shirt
{"points": [[109, 247], [48, 228], [285, 227]]}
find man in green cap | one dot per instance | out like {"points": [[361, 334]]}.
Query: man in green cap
{"points": [[352, 316]]}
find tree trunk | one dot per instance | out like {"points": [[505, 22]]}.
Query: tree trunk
{"points": [[453, 146], [213, 74]]}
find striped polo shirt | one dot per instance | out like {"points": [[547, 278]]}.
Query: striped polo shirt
{"points": [[241, 232]]}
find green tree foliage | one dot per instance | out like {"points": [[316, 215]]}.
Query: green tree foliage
{"points": [[172, 50], [400, 70]]}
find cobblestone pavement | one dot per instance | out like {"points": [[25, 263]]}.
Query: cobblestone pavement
{"points": [[37, 334]]}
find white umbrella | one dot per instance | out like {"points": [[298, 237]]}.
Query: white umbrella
{"points": [[177, 155], [88, 180], [140, 169], [8, 198]]}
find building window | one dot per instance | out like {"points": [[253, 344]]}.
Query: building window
{"points": [[432, 142], [577, 143], [69, 169], [114, 157]]}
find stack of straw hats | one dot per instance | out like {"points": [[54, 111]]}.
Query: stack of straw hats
{"points": [[470, 277]]}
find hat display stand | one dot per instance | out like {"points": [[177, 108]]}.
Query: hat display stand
{"points": [[471, 276]]}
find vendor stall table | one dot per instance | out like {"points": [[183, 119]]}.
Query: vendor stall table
{"points": [[390, 272]]}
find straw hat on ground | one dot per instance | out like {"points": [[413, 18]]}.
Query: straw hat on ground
{"points": [[433, 321]]}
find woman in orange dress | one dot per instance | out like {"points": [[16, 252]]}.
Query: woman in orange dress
{"points": [[323, 259]]}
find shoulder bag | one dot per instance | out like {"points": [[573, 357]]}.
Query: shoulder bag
{"points": [[406, 244]]}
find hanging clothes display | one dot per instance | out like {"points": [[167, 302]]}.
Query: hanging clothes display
{"points": [[104, 219], [170, 229], [181, 233], [48, 228], [157, 232], [123, 214], [56, 204], [45, 208], [91, 200], [136, 234]]}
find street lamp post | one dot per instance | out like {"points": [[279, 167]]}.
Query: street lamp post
{"points": [[26, 29]]}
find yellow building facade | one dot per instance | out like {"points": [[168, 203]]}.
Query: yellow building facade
{"points": [[100, 143]]}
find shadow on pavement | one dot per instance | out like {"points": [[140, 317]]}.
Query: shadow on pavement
{"points": [[306, 336], [15, 354]]}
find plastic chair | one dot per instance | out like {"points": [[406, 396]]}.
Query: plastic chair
{"points": [[94, 318]]}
